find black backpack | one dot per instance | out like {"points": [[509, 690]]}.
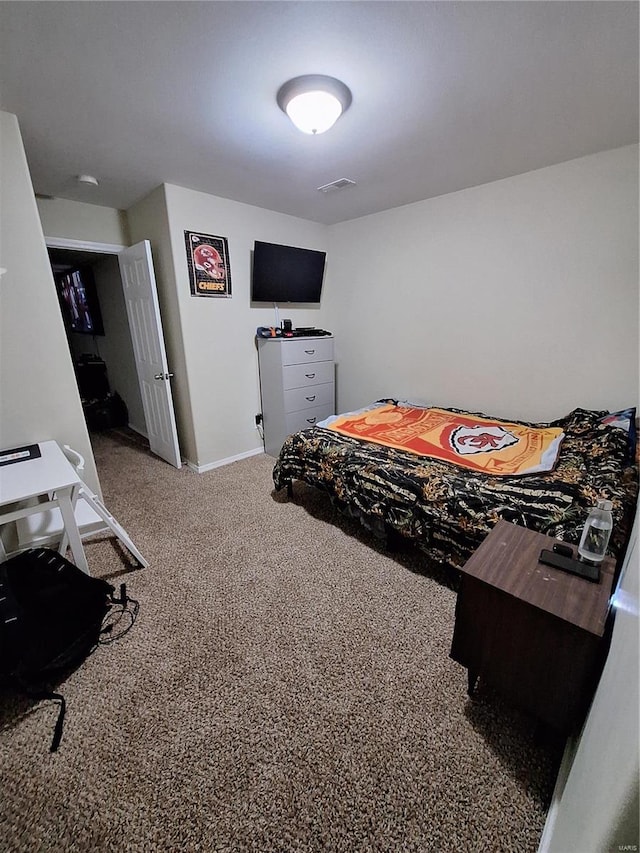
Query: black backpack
{"points": [[52, 616]]}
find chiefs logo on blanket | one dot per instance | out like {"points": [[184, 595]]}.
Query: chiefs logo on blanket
{"points": [[480, 439]]}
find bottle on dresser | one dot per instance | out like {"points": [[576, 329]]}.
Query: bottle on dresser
{"points": [[596, 533]]}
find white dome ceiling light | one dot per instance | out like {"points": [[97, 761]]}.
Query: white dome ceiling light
{"points": [[314, 102], [87, 179]]}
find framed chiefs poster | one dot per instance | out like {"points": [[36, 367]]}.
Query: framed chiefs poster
{"points": [[208, 263]]}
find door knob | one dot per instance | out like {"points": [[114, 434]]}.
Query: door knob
{"points": [[163, 376]]}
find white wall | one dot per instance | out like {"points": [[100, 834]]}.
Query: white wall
{"points": [[75, 220], [218, 334], [517, 298], [148, 220], [596, 809], [38, 393]]}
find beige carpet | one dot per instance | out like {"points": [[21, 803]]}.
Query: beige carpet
{"points": [[287, 687]]}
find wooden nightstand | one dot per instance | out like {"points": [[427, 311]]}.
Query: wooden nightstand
{"points": [[534, 633]]}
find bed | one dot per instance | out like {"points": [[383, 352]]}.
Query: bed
{"points": [[447, 509]]}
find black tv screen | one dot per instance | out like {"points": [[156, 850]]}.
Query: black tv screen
{"points": [[286, 273], [79, 300]]}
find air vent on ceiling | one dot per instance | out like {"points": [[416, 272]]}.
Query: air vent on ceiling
{"points": [[340, 184]]}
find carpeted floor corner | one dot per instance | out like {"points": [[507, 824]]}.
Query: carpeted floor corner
{"points": [[286, 687]]}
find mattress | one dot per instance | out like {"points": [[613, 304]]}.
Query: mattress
{"points": [[447, 510]]}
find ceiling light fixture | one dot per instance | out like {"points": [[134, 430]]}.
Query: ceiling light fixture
{"points": [[314, 102], [87, 179], [340, 184]]}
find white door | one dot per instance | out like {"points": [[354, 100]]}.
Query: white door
{"points": [[143, 311]]}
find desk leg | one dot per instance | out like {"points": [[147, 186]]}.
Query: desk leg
{"points": [[75, 542]]}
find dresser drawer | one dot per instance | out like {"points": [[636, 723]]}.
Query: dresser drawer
{"points": [[308, 398], [301, 375], [304, 350], [295, 421]]}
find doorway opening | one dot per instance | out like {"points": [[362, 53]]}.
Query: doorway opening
{"points": [[100, 343], [119, 284]]}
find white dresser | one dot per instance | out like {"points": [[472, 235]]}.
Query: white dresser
{"points": [[297, 386]]}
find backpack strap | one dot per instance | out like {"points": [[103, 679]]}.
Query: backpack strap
{"points": [[40, 695]]}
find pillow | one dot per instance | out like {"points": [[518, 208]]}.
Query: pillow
{"points": [[624, 419]]}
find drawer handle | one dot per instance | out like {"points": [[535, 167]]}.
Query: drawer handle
{"points": [[309, 351], [311, 420], [310, 375], [311, 399]]}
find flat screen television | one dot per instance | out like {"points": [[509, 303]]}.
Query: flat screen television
{"points": [[286, 273], [79, 301]]}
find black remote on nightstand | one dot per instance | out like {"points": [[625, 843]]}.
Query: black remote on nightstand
{"points": [[568, 564]]}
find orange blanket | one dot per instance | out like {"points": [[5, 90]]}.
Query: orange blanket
{"points": [[492, 446]]}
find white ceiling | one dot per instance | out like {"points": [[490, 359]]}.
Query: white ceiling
{"points": [[446, 95]]}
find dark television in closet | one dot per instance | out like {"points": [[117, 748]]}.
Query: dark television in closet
{"points": [[79, 301]]}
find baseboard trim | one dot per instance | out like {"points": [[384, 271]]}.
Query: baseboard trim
{"points": [[201, 469]]}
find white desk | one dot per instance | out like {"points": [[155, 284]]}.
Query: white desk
{"points": [[50, 475]]}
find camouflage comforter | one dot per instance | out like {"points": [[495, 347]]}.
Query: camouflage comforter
{"points": [[448, 510]]}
